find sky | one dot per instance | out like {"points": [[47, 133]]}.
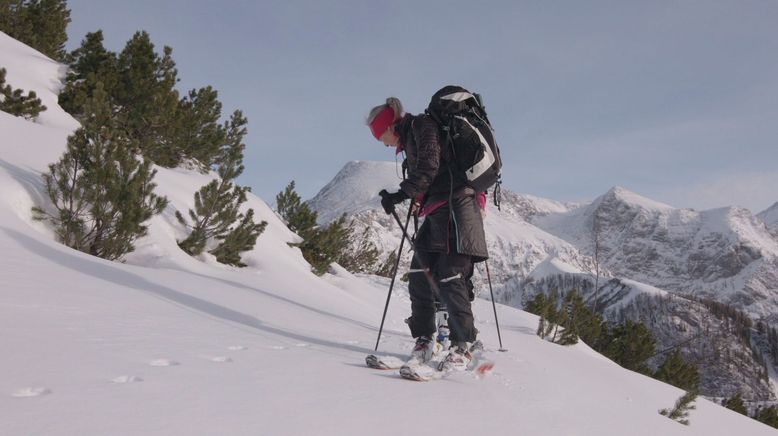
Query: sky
{"points": [[675, 100]]}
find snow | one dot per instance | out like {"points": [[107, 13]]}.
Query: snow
{"points": [[168, 344], [770, 218], [635, 199], [365, 180]]}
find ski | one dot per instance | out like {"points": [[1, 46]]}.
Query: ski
{"points": [[426, 373], [383, 362], [423, 372]]}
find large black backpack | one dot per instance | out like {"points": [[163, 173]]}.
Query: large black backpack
{"points": [[471, 152]]}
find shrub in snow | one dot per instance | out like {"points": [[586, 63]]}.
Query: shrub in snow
{"points": [[680, 412], [16, 103], [101, 193], [322, 246], [217, 215], [678, 372]]}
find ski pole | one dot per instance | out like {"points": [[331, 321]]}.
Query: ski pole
{"points": [[394, 273], [494, 306]]}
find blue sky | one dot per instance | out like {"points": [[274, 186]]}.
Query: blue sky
{"points": [[675, 100]]}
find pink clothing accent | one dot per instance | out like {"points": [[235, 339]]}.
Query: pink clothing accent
{"points": [[382, 121], [432, 207], [482, 200]]}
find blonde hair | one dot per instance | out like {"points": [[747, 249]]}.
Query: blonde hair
{"points": [[392, 102]]}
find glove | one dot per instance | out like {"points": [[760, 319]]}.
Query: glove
{"points": [[388, 200]]}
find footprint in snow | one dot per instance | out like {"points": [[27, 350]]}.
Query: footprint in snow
{"points": [[163, 362], [127, 379], [31, 392], [278, 347], [221, 359], [237, 348]]}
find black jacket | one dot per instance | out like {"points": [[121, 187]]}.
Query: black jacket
{"points": [[428, 174]]}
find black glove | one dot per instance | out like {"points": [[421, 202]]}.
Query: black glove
{"points": [[388, 200]]}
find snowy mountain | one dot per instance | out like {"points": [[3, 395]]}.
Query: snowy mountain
{"points": [[725, 254], [169, 344], [770, 218], [648, 252]]}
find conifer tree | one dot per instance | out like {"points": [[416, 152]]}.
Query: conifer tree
{"points": [[546, 307], [326, 245], [678, 372], [768, 415], [736, 403], [14, 102], [216, 208], [297, 215], [41, 24], [579, 321], [217, 215], [680, 412], [232, 147], [242, 237], [630, 345], [146, 98], [197, 133], [101, 192], [89, 64], [321, 246]]}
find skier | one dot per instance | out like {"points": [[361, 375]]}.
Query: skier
{"points": [[450, 240]]}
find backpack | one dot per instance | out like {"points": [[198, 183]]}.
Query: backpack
{"points": [[472, 153]]}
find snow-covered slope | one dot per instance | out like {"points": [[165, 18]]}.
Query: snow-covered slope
{"points": [[770, 218], [166, 344], [725, 254]]}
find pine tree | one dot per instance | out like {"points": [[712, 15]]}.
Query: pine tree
{"points": [[217, 215], [546, 307], [736, 403], [41, 24], [14, 102], [240, 238], [146, 98], [101, 192], [89, 64], [198, 134], [768, 415], [297, 215], [631, 345], [321, 246], [326, 245], [678, 372], [216, 208], [232, 148], [579, 321], [680, 412]]}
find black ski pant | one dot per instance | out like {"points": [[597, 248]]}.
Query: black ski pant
{"points": [[450, 274]]}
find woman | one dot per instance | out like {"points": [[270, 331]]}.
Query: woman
{"points": [[450, 240]]}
